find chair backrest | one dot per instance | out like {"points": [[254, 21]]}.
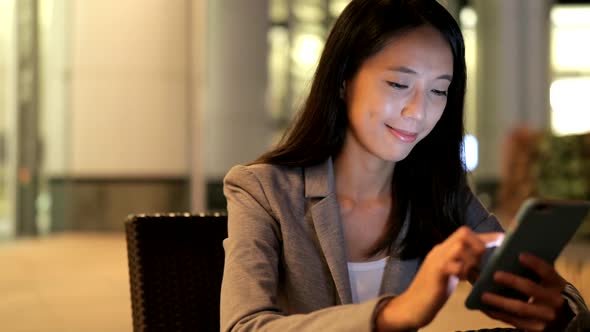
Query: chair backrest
{"points": [[175, 270]]}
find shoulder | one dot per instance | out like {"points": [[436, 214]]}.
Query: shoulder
{"points": [[273, 187], [477, 217], [263, 175]]}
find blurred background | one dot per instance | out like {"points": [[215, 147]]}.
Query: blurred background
{"points": [[109, 108]]}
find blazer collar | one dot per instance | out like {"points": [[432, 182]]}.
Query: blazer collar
{"points": [[325, 213], [319, 179]]}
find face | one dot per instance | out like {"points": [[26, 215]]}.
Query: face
{"points": [[399, 94]]}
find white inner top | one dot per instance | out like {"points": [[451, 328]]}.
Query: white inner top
{"points": [[365, 279]]}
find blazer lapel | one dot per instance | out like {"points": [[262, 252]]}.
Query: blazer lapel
{"points": [[325, 212]]}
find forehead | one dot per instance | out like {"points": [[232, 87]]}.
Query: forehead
{"points": [[423, 49]]}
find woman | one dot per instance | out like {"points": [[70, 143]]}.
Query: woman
{"points": [[361, 218]]}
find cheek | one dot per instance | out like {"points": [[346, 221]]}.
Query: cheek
{"points": [[372, 108], [438, 115], [389, 105], [381, 107]]}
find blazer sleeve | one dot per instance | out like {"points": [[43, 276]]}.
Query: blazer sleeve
{"points": [[249, 292], [480, 220], [477, 216]]}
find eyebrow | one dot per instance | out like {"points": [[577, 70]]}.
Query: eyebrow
{"points": [[407, 70]]}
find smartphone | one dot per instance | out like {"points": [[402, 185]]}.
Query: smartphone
{"points": [[543, 228]]}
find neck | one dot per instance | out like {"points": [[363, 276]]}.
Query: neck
{"points": [[361, 176]]}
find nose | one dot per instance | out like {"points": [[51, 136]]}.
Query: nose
{"points": [[415, 107]]}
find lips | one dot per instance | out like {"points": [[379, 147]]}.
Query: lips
{"points": [[402, 135]]}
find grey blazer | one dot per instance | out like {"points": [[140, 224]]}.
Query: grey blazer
{"points": [[285, 259]]}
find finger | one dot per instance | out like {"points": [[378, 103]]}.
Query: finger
{"points": [[468, 247], [464, 239], [465, 235], [461, 252], [471, 261], [478, 241], [520, 308], [541, 294], [453, 268], [543, 269], [518, 322]]}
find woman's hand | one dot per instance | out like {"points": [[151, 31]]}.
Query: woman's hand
{"points": [[545, 305], [450, 261]]}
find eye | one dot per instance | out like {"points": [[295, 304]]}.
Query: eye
{"points": [[396, 85], [439, 92]]}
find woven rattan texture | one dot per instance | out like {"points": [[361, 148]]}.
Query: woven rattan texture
{"points": [[175, 271]]}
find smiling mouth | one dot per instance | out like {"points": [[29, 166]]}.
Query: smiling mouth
{"points": [[402, 135]]}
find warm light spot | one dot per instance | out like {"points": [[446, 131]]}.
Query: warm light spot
{"points": [[470, 152], [468, 17], [307, 49], [570, 31], [570, 108]]}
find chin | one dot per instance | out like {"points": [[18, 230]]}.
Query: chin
{"points": [[395, 156]]}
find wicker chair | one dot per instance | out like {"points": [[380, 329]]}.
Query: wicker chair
{"points": [[175, 270]]}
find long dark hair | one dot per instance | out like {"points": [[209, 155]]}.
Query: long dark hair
{"points": [[430, 183]]}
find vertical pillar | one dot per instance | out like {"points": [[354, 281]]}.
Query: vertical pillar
{"points": [[197, 24], [27, 115], [512, 75], [235, 124], [537, 62]]}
